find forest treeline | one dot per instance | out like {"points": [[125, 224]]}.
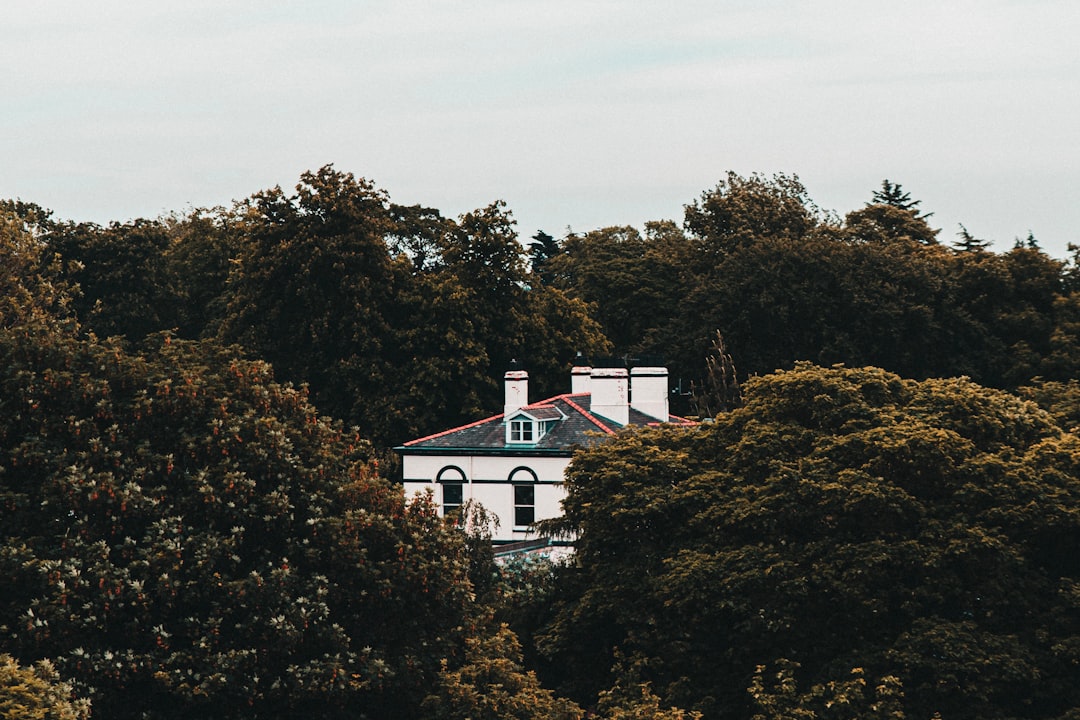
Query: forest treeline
{"points": [[401, 321], [878, 521]]}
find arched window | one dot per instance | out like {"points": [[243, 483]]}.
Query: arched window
{"points": [[524, 484], [451, 480], [522, 474]]}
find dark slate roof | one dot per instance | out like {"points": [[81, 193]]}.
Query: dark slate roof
{"points": [[541, 412], [579, 427]]}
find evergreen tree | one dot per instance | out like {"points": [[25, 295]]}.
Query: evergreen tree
{"points": [[541, 250], [893, 195], [969, 243]]}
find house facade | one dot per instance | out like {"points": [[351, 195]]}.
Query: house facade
{"points": [[513, 463]]}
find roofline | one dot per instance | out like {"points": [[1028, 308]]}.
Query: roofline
{"points": [[451, 430], [587, 413], [502, 451], [548, 401], [568, 398]]}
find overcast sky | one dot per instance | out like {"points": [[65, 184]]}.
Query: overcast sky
{"points": [[577, 113]]}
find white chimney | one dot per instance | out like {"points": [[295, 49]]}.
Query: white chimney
{"points": [[517, 391], [649, 391], [609, 394], [579, 377]]}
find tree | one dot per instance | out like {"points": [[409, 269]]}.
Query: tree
{"points": [[893, 195], [889, 223], [834, 700], [120, 270], [184, 537], [842, 518], [969, 243], [32, 288], [484, 252], [311, 287], [418, 233], [542, 248], [741, 210], [629, 280], [632, 699], [37, 692], [399, 321], [508, 316], [1060, 399], [720, 391], [197, 263], [492, 685]]}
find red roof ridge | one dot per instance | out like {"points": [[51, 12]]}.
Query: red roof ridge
{"points": [[586, 413]]}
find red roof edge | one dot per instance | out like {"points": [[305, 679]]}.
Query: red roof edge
{"points": [[586, 413], [452, 430], [566, 397]]}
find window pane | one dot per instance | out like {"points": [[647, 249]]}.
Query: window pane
{"points": [[524, 495], [523, 516], [524, 500], [451, 494]]}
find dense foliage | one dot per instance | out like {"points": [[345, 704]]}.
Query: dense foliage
{"points": [[29, 693], [31, 288], [183, 537], [783, 281], [493, 685], [842, 518], [342, 289], [399, 321]]}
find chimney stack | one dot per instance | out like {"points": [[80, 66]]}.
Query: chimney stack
{"points": [[610, 397], [517, 390], [649, 391], [580, 375]]}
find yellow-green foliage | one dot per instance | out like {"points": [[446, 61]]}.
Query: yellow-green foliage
{"points": [[492, 685], [37, 693], [848, 699]]}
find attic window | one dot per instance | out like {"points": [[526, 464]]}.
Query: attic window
{"points": [[522, 431]]}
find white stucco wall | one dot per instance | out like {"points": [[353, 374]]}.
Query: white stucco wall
{"points": [[487, 480]]}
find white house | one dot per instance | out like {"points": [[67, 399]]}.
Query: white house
{"points": [[513, 463]]}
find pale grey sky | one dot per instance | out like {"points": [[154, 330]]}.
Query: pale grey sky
{"points": [[577, 113]]}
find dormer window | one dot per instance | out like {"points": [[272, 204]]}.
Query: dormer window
{"points": [[522, 430], [529, 425]]}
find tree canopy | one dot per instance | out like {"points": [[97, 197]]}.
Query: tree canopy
{"points": [[186, 531], [841, 518], [182, 536], [401, 321], [398, 320]]}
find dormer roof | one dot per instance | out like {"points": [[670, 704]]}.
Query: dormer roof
{"points": [[539, 412]]}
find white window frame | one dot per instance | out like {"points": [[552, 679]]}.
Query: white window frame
{"points": [[521, 431]]}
